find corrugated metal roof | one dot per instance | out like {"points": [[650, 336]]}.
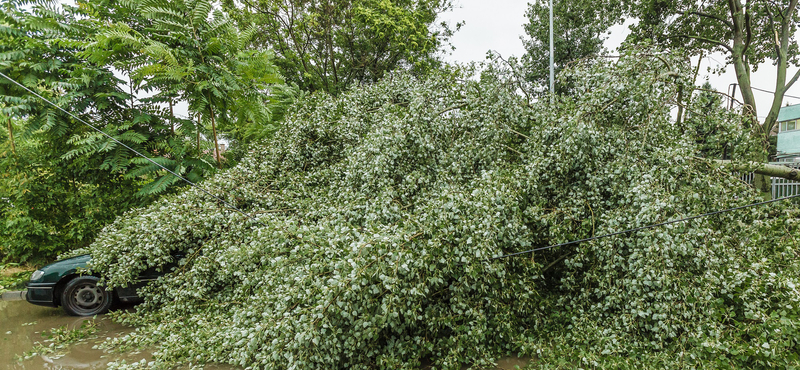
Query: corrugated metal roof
{"points": [[789, 112]]}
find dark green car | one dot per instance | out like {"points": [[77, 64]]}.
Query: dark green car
{"points": [[60, 284]]}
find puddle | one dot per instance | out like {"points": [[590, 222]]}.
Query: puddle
{"points": [[513, 363], [22, 325]]}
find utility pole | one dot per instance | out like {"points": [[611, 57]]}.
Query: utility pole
{"points": [[552, 68]]}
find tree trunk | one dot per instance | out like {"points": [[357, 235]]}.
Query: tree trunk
{"points": [[782, 49], [199, 151], [742, 70], [761, 182], [764, 169], [738, 51], [171, 117], [214, 132], [11, 135], [130, 84]]}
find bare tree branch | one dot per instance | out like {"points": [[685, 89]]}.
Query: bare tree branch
{"points": [[748, 26], [710, 41], [792, 80], [707, 15], [774, 31]]}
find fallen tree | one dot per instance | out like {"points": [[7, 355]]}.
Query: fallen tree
{"points": [[378, 213], [773, 170]]}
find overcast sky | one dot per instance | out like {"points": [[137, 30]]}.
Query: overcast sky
{"points": [[497, 25]]}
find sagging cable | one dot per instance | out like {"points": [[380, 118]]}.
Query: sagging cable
{"points": [[640, 228], [234, 208], [223, 201]]}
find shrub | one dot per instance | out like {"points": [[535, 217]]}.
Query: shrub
{"points": [[378, 212]]}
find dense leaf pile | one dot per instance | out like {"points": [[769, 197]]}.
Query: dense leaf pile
{"points": [[377, 212]]}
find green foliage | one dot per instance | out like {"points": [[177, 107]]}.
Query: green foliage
{"points": [[716, 292], [331, 45], [749, 33], [706, 117], [58, 187], [696, 27], [12, 277], [62, 181], [41, 51], [190, 51], [369, 203], [49, 205], [578, 33], [377, 212]]}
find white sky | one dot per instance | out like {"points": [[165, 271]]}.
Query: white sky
{"points": [[498, 24]]}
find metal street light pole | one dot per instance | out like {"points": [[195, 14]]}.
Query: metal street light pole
{"points": [[552, 68]]}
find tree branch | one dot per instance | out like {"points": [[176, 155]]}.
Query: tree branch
{"points": [[557, 260], [762, 169], [734, 6], [719, 93], [792, 80], [748, 26], [710, 41], [711, 16], [454, 107], [774, 31]]}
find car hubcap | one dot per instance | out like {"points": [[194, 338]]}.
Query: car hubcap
{"points": [[88, 296]]}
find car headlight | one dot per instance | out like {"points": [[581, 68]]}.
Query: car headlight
{"points": [[37, 275]]}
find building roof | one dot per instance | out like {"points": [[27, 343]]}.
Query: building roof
{"points": [[789, 112]]}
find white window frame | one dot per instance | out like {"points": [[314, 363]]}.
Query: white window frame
{"points": [[784, 126]]}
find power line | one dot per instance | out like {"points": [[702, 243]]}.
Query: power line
{"points": [[773, 93], [223, 201], [234, 208], [640, 228]]}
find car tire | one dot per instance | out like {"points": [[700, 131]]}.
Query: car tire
{"points": [[82, 296]]}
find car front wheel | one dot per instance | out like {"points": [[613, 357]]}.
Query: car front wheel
{"points": [[84, 297]]}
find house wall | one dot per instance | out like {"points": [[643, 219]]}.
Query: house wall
{"points": [[788, 142]]}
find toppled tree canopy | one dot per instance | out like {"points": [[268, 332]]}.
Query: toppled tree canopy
{"points": [[377, 212]]}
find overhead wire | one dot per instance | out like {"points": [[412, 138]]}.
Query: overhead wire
{"points": [[773, 93], [642, 228], [223, 201], [236, 209]]}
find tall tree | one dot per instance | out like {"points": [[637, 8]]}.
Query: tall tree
{"points": [[330, 44], [749, 32], [578, 30], [54, 202], [63, 180], [188, 50]]}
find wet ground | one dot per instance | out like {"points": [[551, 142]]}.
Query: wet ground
{"points": [[512, 363], [22, 325]]}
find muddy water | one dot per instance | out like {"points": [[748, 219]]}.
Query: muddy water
{"points": [[512, 363], [22, 325]]}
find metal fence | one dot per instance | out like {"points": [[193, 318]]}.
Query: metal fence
{"points": [[782, 188], [748, 178]]}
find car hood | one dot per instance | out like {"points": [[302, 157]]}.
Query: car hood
{"points": [[56, 270]]}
